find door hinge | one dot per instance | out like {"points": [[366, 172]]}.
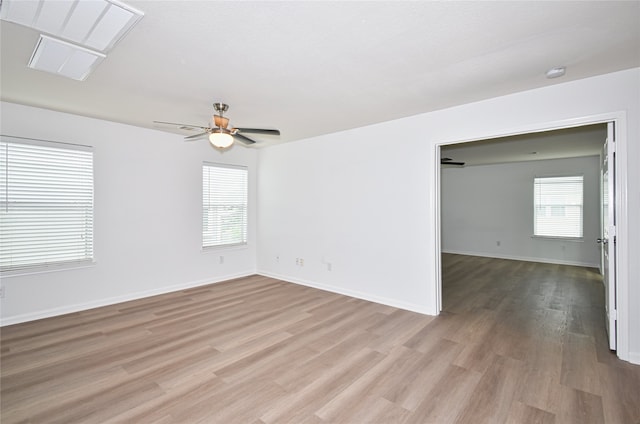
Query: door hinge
{"points": [[614, 314], [613, 131]]}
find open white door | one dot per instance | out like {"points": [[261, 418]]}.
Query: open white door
{"points": [[608, 239]]}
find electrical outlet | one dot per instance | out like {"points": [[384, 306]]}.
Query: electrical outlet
{"points": [[301, 262]]}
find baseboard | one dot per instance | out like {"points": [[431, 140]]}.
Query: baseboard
{"points": [[421, 309], [523, 258], [48, 313]]}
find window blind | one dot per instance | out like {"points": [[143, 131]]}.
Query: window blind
{"points": [[46, 202], [558, 207], [224, 205]]}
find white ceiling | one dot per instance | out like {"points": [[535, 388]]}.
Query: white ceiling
{"points": [[310, 68], [565, 143]]}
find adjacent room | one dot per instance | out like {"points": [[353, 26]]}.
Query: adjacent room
{"points": [[521, 247], [492, 202], [319, 212]]}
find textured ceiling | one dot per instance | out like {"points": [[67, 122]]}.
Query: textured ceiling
{"points": [[565, 143], [310, 68]]}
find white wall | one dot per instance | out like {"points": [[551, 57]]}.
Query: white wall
{"points": [[147, 224], [348, 200], [365, 200], [484, 205]]}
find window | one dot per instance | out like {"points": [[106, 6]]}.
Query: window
{"points": [[224, 205], [557, 203], [46, 202]]}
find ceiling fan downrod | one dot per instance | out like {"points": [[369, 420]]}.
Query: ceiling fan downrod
{"points": [[221, 107], [219, 120]]}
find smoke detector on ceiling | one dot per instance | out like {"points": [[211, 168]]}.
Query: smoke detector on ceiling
{"points": [[556, 72]]}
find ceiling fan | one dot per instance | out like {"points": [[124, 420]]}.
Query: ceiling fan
{"points": [[449, 161], [219, 135]]}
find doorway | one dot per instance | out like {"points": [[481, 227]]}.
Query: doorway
{"points": [[500, 143]]}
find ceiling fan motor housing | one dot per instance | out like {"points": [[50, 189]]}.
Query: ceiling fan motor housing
{"points": [[220, 121]]}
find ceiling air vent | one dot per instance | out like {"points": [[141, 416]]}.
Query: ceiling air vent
{"points": [[65, 59], [94, 24]]}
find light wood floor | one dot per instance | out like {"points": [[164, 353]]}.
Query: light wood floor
{"points": [[518, 343]]}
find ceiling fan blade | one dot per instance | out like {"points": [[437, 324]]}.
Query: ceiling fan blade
{"points": [[258, 131], [449, 161], [243, 139], [196, 136], [182, 126]]}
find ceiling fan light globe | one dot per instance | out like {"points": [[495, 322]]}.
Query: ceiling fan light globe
{"points": [[220, 140]]}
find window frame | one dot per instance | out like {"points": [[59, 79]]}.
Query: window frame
{"points": [[55, 264], [536, 205], [244, 221]]}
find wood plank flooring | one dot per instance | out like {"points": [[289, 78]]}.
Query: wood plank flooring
{"points": [[517, 342]]}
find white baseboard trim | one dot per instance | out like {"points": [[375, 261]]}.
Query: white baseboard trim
{"points": [[523, 258], [68, 309], [421, 309]]}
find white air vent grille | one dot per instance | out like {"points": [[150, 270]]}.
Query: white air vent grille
{"points": [[65, 59], [95, 24]]}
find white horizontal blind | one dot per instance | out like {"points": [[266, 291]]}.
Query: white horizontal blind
{"points": [[558, 206], [46, 202], [224, 205]]}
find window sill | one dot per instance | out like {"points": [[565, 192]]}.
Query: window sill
{"points": [[560, 238], [226, 247], [44, 269]]}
